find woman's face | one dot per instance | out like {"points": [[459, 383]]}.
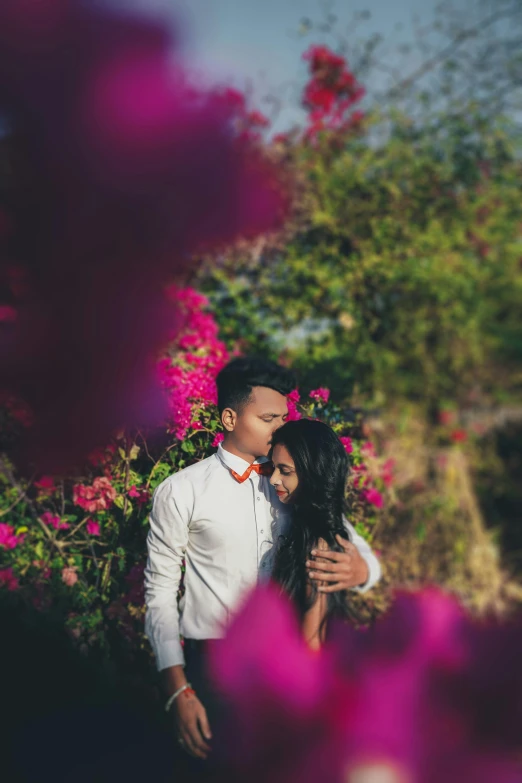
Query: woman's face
{"points": [[284, 478]]}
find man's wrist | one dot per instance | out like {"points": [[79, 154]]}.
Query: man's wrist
{"points": [[173, 678]]}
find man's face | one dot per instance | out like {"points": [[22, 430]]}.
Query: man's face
{"points": [[257, 420]]}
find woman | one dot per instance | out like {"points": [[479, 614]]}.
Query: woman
{"points": [[310, 472]]}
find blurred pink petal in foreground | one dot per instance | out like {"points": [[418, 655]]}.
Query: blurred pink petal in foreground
{"points": [[289, 706], [129, 171], [427, 695]]}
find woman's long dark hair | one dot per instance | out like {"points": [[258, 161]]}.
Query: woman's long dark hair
{"points": [[317, 509]]}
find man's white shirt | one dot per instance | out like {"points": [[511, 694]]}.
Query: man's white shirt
{"points": [[227, 534]]}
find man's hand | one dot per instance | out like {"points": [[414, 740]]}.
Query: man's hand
{"points": [[193, 728], [341, 570]]}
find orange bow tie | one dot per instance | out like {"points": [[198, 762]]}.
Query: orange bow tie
{"points": [[263, 468]]}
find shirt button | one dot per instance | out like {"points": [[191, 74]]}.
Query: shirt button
{"points": [[261, 531], [259, 498]]}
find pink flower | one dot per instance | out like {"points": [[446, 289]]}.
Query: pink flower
{"points": [[143, 143], [373, 497], [278, 700], [8, 579], [387, 472], [8, 539], [53, 520], [368, 449], [218, 439], [425, 695], [292, 400], [320, 395], [69, 575], [93, 527], [97, 497], [197, 425], [141, 495], [46, 483], [347, 443]]}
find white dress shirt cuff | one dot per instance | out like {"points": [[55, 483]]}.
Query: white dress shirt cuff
{"points": [[169, 654], [374, 574]]}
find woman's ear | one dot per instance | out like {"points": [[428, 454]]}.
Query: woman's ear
{"points": [[229, 419]]}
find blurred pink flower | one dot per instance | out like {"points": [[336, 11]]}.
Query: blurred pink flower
{"points": [[8, 539], [320, 395], [45, 484], [141, 495], [368, 449], [8, 579], [53, 520], [69, 575], [292, 400], [373, 497], [425, 695], [93, 527], [97, 497], [197, 425], [347, 443], [387, 472], [122, 129], [459, 435], [218, 439], [288, 705]]}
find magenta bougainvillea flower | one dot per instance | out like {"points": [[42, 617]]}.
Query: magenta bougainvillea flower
{"points": [[53, 520], [97, 497], [373, 497], [8, 538], [347, 443], [426, 695], [288, 705], [131, 170], [93, 527], [8, 579], [320, 395], [292, 400]]}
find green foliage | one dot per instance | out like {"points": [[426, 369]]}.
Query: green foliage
{"points": [[402, 278]]}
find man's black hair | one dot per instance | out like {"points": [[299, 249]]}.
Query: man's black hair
{"points": [[236, 381]]}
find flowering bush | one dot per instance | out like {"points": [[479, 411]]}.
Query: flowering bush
{"points": [[76, 544]]}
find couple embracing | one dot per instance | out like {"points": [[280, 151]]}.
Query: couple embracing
{"points": [[268, 505]]}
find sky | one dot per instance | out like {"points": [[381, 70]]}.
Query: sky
{"points": [[254, 44]]}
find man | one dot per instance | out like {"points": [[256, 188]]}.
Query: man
{"points": [[223, 517]]}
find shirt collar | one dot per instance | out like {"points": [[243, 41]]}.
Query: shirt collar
{"points": [[233, 462]]}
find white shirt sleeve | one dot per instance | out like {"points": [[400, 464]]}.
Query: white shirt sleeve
{"points": [[166, 543], [365, 550]]}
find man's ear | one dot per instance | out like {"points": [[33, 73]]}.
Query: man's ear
{"points": [[229, 419]]}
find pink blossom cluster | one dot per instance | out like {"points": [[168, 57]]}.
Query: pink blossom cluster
{"points": [[189, 376], [363, 479], [97, 497], [426, 695], [8, 539], [93, 527], [69, 575], [292, 400], [347, 443], [45, 485], [53, 520], [330, 93], [320, 395], [8, 579], [142, 496]]}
